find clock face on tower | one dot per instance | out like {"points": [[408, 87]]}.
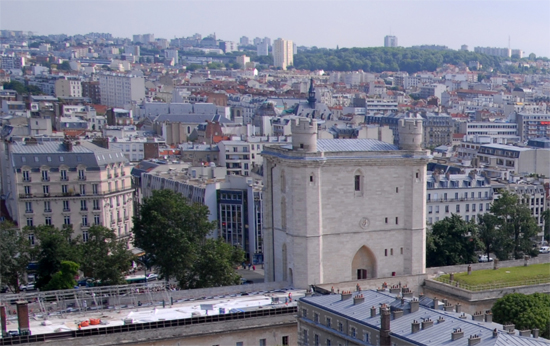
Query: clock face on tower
{"points": [[364, 223]]}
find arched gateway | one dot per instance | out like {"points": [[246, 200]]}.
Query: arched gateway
{"points": [[363, 265]]}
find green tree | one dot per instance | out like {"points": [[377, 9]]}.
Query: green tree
{"points": [[14, 255], [193, 67], [524, 311], [489, 233], [64, 278], [54, 246], [104, 257], [451, 241], [516, 224], [222, 273], [65, 66], [546, 216], [174, 235]]}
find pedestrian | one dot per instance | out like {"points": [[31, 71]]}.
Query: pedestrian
{"points": [[249, 265], [253, 267], [290, 296]]}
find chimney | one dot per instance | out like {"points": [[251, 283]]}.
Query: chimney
{"points": [[436, 304], [23, 317], [358, 299], [373, 312], [509, 327], [495, 333], [448, 307], [397, 314], [3, 320], [415, 326], [488, 316], [478, 316], [458, 307], [457, 334], [68, 144], [427, 323], [414, 305], [474, 340], [526, 332], [440, 319], [535, 333], [385, 337], [463, 316], [345, 295]]}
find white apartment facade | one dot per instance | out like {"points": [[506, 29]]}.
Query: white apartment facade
{"points": [[67, 183], [239, 157], [68, 88], [283, 53], [119, 90]]}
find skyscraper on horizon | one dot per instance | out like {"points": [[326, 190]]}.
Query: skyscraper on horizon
{"points": [[390, 41], [283, 53]]}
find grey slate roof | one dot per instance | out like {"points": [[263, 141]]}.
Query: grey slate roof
{"points": [[192, 118], [49, 154], [335, 145], [438, 334]]}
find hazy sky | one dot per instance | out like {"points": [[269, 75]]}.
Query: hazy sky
{"points": [[361, 23]]}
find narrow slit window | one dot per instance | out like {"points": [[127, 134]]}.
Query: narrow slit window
{"points": [[357, 183]]}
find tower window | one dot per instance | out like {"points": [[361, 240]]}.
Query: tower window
{"points": [[397, 221], [311, 178], [416, 175], [385, 252], [386, 220], [357, 183], [396, 190]]}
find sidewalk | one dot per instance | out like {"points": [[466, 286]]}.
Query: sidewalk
{"points": [[256, 276]]}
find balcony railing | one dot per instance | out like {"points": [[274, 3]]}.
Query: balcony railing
{"points": [[45, 178], [68, 195], [27, 179], [83, 208], [109, 176], [64, 178], [47, 210], [66, 209], [82, 177]]}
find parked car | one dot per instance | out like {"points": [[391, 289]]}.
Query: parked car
{"points": [[28, 287], [544, 249], [484, 258]]}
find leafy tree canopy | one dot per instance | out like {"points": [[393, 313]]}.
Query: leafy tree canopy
{"points": [[14, 256], [174, 235], [64, 278], [451, 241], [524, 311]]}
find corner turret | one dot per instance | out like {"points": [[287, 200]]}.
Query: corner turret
{"points": [[304, 134], [410, 133]]}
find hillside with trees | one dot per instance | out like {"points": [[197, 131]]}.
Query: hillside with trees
{"points": [[379, 59]]}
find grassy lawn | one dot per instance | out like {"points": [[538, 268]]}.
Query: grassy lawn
{"points": [[504, 277]]}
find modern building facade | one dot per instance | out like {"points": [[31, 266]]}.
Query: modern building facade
{"points": [[532, 126], [118, 90], [390, 41], [67, 183], [283, 53], [321, 224]]}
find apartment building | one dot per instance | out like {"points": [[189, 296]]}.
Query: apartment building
{"points": [[283, 53], [438, 129], [67, 183], [532, 126], [239, 157], [235, 203], [520, 160], [68, 88], [118, 90], [463, 194], [498, 132]]}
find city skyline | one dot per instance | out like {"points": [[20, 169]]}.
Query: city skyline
{"points": [[309, 23]]}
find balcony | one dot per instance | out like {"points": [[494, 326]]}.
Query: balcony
{"points": [[73, 195], [47, 210], [64, 178], [45, 178], [27, 179], [28, 211], [109, 176], [123, 173], [116, 175], [66, 210], [83, 208], [82, 177], [84, 225]]}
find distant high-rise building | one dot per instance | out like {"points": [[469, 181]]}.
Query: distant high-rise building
{"points": [[172, 54], [257, 41], [503, 52], [390, 41], [262, 49], [283, 53], [267, 40], [464, 47], [244, 41], [119, 90]]}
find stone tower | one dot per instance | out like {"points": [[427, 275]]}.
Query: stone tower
{"points": [[304, 134], [343, 209], [410, 133]]}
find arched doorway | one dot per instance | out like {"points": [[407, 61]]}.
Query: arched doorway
{"points": [[363, 265]]}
